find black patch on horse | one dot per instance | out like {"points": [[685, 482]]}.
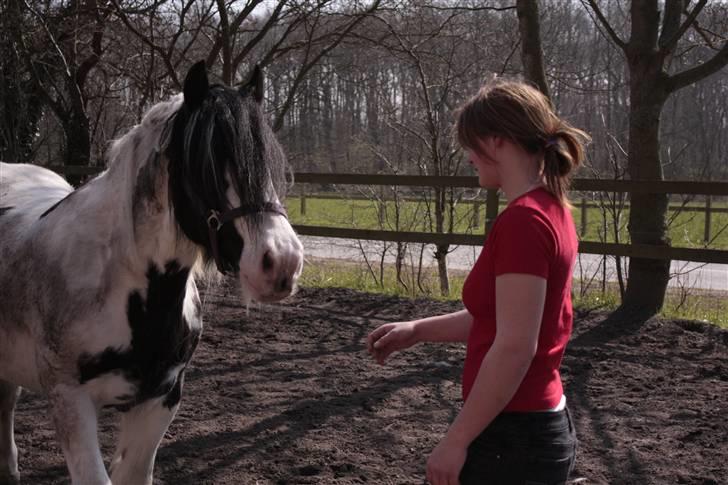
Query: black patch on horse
{"points": [[161, 338], [3, 210], [53, 207]]}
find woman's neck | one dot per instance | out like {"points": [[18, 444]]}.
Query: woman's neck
{"points": [[518, 182]]}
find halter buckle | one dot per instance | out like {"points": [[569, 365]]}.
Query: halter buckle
{"points": [[213, 221]]}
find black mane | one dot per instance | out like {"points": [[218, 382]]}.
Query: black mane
{"points": [[227, 133]]}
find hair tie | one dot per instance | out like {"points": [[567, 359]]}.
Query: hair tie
{"points": [[551, 141]]}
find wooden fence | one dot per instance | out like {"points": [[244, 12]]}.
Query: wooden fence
{"points": [[492, 205], [583, 203], [700, 255]]}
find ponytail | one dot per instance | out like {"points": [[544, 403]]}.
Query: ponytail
{"points": [[563, 153]]}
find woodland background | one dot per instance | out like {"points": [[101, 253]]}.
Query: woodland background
{"points": [[371, 86]]}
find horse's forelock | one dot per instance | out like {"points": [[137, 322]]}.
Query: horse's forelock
{"points": [[228, 137]]}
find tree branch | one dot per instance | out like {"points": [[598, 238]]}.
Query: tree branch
{"points": [[670, 43], [259, 36], [152, 45], [278, 123], [605, 23], [697, 73], [670, 20]]}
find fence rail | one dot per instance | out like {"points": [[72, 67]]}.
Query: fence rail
{"points": [[593, 185], [583, 204], [700, 255]]}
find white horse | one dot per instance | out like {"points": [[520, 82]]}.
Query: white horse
{"points": [[98, 303]]}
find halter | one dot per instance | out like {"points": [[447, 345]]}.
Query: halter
{"points": [[216, 220]]}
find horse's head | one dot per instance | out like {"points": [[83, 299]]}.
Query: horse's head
{"points": [[227, 172]]}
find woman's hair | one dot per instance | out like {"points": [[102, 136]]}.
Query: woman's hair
{"points": [[521, 113]]}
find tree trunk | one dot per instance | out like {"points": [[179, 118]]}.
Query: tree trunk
{"points": [[77, 149], [441, 250], [531, 52], [656, 28], [648, 278]]}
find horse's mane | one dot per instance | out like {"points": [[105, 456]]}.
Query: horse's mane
{"points": [[223, 145], [228, 135]]}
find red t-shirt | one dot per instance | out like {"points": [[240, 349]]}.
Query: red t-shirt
{"points": [[534, 235]]}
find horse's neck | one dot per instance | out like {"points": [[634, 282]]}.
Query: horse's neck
{"points": [[139, 175]]}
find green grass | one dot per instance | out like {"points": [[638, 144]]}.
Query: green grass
{"points": [[697, 305], [686, 230], [707, 306], [322, 273]]}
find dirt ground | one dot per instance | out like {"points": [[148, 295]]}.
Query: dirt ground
{"points": [[287, 395]]}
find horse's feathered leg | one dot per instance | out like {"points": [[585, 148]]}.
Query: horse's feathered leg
{"points": [[141, 430], [75, 419], [8, 451]]}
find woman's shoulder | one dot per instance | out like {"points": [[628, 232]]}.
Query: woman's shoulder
{"points": [[529, 207], [536, 213], [537, 205]]}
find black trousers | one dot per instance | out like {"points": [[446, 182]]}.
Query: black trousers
{"points": [[522, 449]]}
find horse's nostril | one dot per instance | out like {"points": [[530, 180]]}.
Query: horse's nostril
{"points": [[284, 284], [267, 261]]}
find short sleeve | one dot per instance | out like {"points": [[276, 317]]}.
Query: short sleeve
{"points": [[524, 243]]}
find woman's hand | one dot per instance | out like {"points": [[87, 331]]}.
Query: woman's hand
{"points": [[445, 463], [389, 338]]}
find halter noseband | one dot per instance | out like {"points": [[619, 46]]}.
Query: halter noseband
{"points": [[215, 220]]}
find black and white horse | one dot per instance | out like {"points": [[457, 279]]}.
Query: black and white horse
{"points": [[98, 303]]}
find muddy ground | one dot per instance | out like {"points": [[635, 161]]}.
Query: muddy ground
{"points": [[287, 395]]}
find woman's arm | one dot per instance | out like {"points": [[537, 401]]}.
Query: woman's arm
{"points": [[452, 327], [519, 308], [390, 337]]}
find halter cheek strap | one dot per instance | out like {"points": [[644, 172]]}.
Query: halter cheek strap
{"points": [[215, 220]]}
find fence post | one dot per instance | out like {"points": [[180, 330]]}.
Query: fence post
{"points": [[491, 208], [706, 235], [583, 216], [303, 200], [476, 214]]}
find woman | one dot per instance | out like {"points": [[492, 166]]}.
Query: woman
{"points": [[514, 427]]}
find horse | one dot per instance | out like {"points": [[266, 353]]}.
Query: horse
{"points": [[99, 306]]}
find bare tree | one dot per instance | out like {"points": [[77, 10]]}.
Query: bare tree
{"points": [[649, 51], [61, 48], [20, 104]]}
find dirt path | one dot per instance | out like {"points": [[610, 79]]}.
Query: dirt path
{"points": [[286, 395]]}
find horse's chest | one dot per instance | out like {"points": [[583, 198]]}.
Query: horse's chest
{"points": [[164, 325]]}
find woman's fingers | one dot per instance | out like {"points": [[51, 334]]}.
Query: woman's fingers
{"points": [[379, 337], [374, 336]]}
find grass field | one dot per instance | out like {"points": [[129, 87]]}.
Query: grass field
{"points": [[686, 228], [697, 305]]}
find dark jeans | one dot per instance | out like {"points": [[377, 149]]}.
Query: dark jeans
{"points": [[522, 449]]}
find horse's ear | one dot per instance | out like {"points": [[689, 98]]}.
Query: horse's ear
{"points": [[254, 84], [196, 85]]}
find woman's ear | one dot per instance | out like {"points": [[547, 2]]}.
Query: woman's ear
{"points": [[497, 141], [485, 144]]}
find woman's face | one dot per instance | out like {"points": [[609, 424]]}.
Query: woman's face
{"points": [[485, 164]]}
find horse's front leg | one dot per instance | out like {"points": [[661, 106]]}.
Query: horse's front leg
{"points": [[75, 419], [8, 451], [141, 430]]}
